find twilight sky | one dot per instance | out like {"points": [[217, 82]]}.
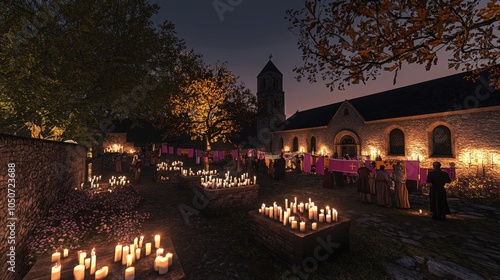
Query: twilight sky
{"points": [[244, 33]]}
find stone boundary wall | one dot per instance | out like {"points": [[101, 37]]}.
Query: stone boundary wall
{"points": [[43, 172]]}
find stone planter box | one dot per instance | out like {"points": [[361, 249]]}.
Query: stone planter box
{"points": [[188, 182], [299, 248], [215, 202]]}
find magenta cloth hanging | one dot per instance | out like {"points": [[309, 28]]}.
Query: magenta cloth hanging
{"points": [[215, 155], [190, 152], [235, 154], [221, 155], [320, 165], [307, 162], [171, 150], [164, 149], [412, 168], [179, 151]]}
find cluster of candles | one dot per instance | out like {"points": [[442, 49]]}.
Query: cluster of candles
{"points": [[94, 182], [79, 270], [227, 182], [189, 172], [176, 165], [284, 215], [56, 269], [119, 181], [128, 254]]}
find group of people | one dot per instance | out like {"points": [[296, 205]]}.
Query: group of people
{"points": [[379, 184], [135, 165]]}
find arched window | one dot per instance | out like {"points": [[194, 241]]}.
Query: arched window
{"points": [[313, 145], [397, 142], [295, 144], [281, 143], [348, 146], [441, 141]]}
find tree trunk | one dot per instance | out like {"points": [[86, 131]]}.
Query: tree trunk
{"points": [[208, 149]]}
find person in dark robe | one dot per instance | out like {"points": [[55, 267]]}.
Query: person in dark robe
{"points": [[382, 184], [437, 179], [364, 183], [279, 166]]}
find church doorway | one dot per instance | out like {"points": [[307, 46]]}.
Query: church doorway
{"points": [[346, 143]]}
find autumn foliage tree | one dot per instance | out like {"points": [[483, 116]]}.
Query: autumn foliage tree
{"points": [[351, 41], [211, 106]]}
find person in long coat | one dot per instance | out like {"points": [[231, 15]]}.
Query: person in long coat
{"points": [[437, 193], [364, 183], [400, 190], [382, 184]]}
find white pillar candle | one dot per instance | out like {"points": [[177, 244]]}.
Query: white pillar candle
{"points": [[125, 251], [118, 252], [81, 257], [101, 273], [159, 252], [335, 215], [156, 263], [294, 208], [148, 248], [157, 241], [131, 251], [328, 218], [315, 209], [129, 260], [141, 241], [87, 263], [56, 257], [56, 272], [163, 265], [295, 200], [310, 214], [321, 218], [65, 253], [286, 203], [136, 242], [130, 273], [294, 224], [285, 218], [93, 262], [280, 213], [79, 272], [137, 253], [170, 258], [302, 226], [314, 226]]}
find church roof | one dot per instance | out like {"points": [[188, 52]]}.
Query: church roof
{"points": [[270, 67], [436, 96]]}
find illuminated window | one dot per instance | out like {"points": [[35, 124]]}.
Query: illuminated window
{"points": [[313, 144], [295, 144], [441, 141], [397, 142]]}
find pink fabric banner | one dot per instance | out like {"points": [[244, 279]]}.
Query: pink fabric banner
{"points": [[179, 151], [412, 169], [320, 165], [221, 155], [190, 152], [346, 166], [171, 150], [164, 149], [307, 162], [235, 154], [199, 153], [216, 155]]}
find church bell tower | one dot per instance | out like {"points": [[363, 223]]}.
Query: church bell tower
{"points": [[270, 104]]}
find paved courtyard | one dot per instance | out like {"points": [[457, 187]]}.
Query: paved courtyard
{"points": [[466, 246]]}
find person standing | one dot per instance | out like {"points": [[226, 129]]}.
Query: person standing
{"points": [[364, 183], [400, 190], [437, 193], [382, 184]]}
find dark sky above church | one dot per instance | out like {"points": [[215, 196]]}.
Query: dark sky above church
{"points": [[244, 33]]}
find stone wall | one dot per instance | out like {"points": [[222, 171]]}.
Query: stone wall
{"points": [[474, 134], [216, 202], [43, 171]]}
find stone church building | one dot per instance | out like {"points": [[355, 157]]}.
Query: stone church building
{"points": [[450, 119]]}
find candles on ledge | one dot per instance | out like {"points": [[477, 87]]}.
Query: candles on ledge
{"points": [[228, 181], [56, 257], [65, 253], [148, 248], [130, 273], [55, 272], [79, 272], [157, 241], [118, 252]]}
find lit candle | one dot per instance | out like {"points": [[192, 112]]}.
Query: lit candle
{"points": [[321, 217], [130, 273], [311, 214], [170, 258], [129, 260], [87, 263], [157, 263], [137, 253], [294, 224], [118, 252], [93, 262], [285, 219], [141, 241], [56, 272], [420, 211], [302, 226], [131, 251], [124, 254], [79, 272], [294, 208], [56, 257], [101, 273], [328, 218], [335, 215], [157, 241], [136, 242], [159, 252], [314, 226], [81, 257], [148, 248], [163, 265], [65, 253]]}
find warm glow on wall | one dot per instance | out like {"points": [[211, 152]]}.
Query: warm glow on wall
{"points": [[286, 148], [302, 149]]}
